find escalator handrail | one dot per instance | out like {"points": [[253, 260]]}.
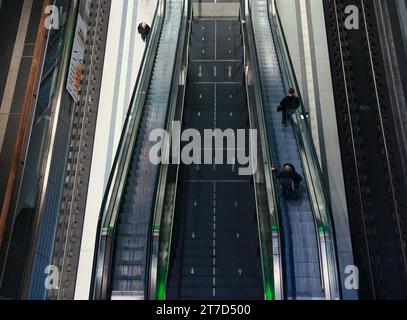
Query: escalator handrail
{"points": [[112, 198], [275, 280], [161, 187], [319, 196], [164, 259]]}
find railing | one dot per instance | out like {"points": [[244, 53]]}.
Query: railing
{"points": [[117, 180], [318, 195], [159, 266], [170, 172], [268, 222]]}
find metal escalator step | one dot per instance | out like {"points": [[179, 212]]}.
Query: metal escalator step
{"points": [[126, 285], [130, 243], [207, 282], [234, 264], [222, 271], [208, 252], [304, 270], [221, 293]]}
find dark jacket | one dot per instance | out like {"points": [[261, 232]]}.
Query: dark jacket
{"points": [[145, 32], [294, 176], [290, 102]]}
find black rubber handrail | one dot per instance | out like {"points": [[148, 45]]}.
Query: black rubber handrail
{"points": [[271, 183], [165, 238], [155, 226]]}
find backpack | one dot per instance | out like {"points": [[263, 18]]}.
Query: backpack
{"points": [[287, 186]]}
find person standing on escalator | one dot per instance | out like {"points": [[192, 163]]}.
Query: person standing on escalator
{"points": [[288, 106], [289, 179], [144, 29]]}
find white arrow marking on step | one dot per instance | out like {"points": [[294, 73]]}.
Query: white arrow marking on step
{"points": [[195, 204], [192, 271], [238, 236], [200, 71], [230, 71], [240, 272], [214, 71], [193, 235]]}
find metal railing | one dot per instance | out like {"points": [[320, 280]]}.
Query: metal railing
{"points": [[158, 274], [170, 172], [313, 174], [266, 196], [117, 180]]}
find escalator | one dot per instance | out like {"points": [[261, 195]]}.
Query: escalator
{"points": [[308, 250], [215, 249], [204, 231], [365, 88], [122, 259]]}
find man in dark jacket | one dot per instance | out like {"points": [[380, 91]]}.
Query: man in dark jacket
{"points": [[144, 29], [289, 179], [288, 106]]}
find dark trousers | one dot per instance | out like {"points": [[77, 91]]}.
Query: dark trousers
{"points": [[145, 37], [287, 113]]}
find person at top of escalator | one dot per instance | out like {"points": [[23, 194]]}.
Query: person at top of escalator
{"points": [[289, 179], [288, 106], [144, 29]]}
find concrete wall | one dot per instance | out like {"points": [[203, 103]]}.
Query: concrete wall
{"points": [[304, 26], [123, 55]]}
